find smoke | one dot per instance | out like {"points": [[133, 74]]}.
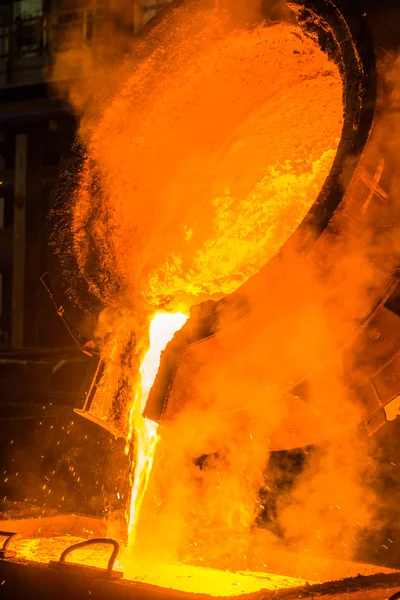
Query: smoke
{"points": [[235, 389], [98, 52], [87, 67], [164, 212], [252, 11], [200, 108]]}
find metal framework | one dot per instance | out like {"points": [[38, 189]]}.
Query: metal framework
{"points": [[27, 44]]}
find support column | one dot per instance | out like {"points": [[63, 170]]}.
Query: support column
{"points": [[36, 218], [2, 207], [19, 242]]}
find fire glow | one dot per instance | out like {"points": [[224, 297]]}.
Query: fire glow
{"points": [[144, 432], [204, 162]]}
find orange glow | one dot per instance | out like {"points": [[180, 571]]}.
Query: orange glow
{"points": [[208, 158], [209, 153], [214, 582], [143, 431], [185, 578], [206, 161]]}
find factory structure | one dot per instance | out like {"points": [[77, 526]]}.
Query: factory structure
{"points": [[37, 129]]}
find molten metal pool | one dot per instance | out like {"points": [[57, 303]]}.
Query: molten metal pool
{"points": [[174, 576]]}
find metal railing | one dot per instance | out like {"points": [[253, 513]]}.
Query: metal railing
{"points": [[45, 35], [22, 37]]}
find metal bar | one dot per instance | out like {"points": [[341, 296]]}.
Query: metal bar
{"points": [[94, 542], [10, 536], [83, 344], [10, 44]]}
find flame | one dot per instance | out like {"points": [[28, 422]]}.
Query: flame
{"points": [[144, 431]]}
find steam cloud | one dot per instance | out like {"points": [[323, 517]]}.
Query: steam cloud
{"points": [[309, 311]]}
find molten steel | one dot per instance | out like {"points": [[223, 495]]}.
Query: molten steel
{"points": [[143, 431], [209, 156], [206, 163], [185, 578]]}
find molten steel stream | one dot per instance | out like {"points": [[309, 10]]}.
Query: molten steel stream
{"points": [[143, 431]]}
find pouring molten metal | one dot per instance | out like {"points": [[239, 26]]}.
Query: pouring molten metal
{"points": [[162, 329], [231, 135], [202, 166]]}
